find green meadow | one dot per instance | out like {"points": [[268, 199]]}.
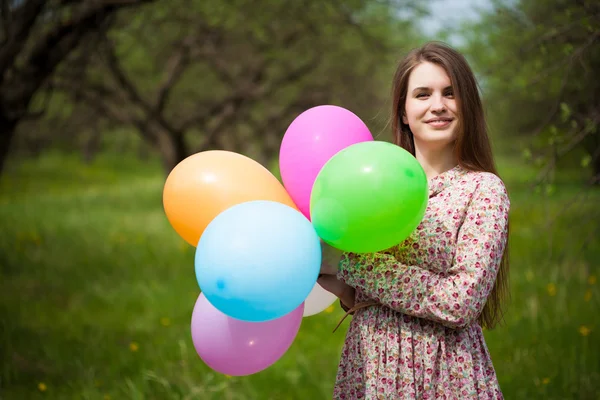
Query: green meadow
{"points": [[97, 290]]}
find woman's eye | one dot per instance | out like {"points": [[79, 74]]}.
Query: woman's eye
{"points": [[422, 95], [449, 94]]}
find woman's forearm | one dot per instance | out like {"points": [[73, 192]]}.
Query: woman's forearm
{"points": [[348, 297]]}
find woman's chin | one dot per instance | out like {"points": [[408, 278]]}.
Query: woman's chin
{"points": [[435, 140]]}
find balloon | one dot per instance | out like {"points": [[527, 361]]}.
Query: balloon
{"points": [[206, 183], [310, 141], [258, 260], [369, 197], [238, 348], [318, 300]]}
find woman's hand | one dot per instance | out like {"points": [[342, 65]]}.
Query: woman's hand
{"points": [[344, 292], [330, 259]]}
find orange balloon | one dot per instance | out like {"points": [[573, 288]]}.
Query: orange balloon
{"points": [[207, 183]]}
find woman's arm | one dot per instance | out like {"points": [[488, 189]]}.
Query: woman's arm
{"points": [[456, 298], [328, 280]]}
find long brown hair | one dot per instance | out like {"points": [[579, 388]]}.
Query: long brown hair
{"points": [[472, 146]]}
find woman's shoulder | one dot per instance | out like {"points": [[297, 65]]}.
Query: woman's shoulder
{"points": [[485, 180], [488, 185]]}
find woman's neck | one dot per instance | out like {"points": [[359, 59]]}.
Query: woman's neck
{"points": [[435, 161]]}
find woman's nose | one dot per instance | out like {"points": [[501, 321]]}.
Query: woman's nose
{"points": [[438, 104]]}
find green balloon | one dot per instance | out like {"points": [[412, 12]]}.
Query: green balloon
{"points": [[369, 197]]}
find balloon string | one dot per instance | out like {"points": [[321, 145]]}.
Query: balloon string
{"points": [[353, 309]]}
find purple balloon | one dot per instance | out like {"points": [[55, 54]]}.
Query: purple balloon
{"points": [[237, 348], [311, 140]]}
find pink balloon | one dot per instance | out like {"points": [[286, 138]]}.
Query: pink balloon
{"points": [[310, 141], [237, 348]]}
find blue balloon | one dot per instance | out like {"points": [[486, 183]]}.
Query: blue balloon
{"points": [[258, 260]]}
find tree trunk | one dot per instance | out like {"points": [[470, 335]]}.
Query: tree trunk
{"points": [[172, 147], [596, 168], [7, 132], [92, 145]]}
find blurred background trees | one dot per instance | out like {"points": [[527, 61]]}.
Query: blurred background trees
{"points": [[186, 76], [173, 78], [36, 36], [539, 62]]}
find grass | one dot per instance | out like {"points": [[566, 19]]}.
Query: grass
{"points": [[97, 290]]}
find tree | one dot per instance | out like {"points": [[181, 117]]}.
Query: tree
{"points": [[36, 36], [539, 61], [191, 76]]}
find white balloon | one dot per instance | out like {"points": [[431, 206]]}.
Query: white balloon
{"points": [[318, 300]]}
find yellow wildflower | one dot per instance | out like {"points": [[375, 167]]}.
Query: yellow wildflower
{"points": [[588, 295], [529, 275], [42, 387], [584, 330], [119, 238], [592, 279], [546, 381], [35, 238], [107, 397], [133, 346], [551, 288]]}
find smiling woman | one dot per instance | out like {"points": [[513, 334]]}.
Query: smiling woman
{"points": [[419, 307]]}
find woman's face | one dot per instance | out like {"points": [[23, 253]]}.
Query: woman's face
{"points": [[430, 109]]}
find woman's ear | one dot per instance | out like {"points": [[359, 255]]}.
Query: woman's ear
{"points": [[404, 119]]}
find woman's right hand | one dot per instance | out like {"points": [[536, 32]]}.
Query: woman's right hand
{"points": [[344, 292], [330, 259]]}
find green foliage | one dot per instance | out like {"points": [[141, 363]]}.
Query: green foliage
{"points": [[538, 60], [233, 74]]}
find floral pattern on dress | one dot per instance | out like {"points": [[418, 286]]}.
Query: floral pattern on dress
{"points": [[423, 341]]}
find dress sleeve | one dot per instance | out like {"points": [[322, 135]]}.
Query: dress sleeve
{"points": [[456, 297]]}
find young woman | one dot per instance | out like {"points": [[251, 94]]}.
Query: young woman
{"points": [[419, 308]]}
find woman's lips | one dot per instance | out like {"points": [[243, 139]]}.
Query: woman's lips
{"points": [[439, 122]]}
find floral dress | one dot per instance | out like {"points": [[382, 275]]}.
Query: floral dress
{"points": [[422, 340]]}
